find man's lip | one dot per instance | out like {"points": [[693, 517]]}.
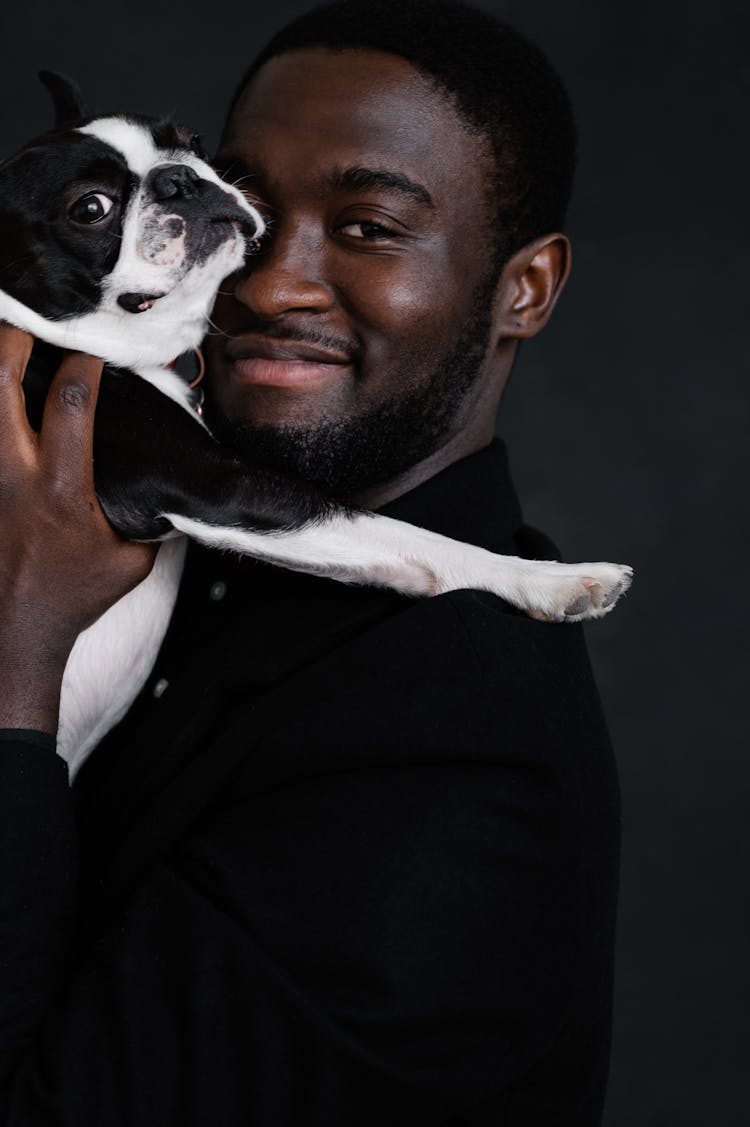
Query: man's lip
{"points": [[256, 347], [264, 371]]}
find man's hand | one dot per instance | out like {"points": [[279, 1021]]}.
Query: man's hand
{"points": [[61, 564]]}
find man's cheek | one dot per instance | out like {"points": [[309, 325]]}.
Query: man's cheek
{"points": [[406, 301]]}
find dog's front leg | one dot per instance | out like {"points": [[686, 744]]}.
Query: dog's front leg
{"points": [[371, 549], [188, 481]]}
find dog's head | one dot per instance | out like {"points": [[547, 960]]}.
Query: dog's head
{"points": [[114, 236]]}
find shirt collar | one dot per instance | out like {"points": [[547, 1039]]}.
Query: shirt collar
{"points": [[472, 500]]}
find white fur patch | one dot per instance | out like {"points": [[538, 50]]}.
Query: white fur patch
{"points": [[162, 237], [133, 142], [111, 661]]}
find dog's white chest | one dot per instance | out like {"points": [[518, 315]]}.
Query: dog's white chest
{"points": [[111, 661]]}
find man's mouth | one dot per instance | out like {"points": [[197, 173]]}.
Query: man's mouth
{"points": [[267, 361]]}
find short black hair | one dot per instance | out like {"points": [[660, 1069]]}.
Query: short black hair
{"points": [[500, 83]]}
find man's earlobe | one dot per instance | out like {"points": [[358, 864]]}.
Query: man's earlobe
{"points": [[530, 284]]}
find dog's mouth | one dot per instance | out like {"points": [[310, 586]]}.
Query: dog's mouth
{"points": [[137, 302]]}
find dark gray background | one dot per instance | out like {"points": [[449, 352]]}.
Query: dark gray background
{"points": [[627, 426]]}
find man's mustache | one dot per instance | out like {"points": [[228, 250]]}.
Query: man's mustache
{"points": [[295, 333]]}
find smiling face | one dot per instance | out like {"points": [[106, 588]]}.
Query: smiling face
{"points": [[358, 340]]}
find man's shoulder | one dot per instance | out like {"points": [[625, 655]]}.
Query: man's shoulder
{"points": [[495, 660], [441, 677], [474, 630]]}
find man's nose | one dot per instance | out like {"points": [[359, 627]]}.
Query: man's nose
{"points": [[173, 180], [287, 275]]}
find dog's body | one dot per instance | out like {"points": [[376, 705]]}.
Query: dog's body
{"points": [[114, 236]]}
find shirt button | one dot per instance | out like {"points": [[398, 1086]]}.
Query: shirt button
{"points": [[160, 688], [218, 591]]}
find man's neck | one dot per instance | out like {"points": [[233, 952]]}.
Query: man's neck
{"points": [[457, 447], [473, 429]]}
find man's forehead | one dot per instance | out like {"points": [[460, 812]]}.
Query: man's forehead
{"points": [[340, 109]]}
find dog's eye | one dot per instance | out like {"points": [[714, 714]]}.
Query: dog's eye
{"points": [[91, 208]]}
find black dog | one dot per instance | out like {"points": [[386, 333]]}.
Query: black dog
{"points": [[114, 236]]}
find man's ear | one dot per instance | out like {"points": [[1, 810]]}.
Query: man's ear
{"points": [[529, 286], [66, 97]]}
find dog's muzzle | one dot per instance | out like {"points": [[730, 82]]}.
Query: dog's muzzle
{"points": [[184, 220]]}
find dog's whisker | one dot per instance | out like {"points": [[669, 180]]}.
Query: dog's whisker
{"points": [[216, 330]]}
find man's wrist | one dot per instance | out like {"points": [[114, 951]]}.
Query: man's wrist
{"points": [[30, 690]]}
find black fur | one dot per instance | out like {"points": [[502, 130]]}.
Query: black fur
{"points": [[66, 98], [152, 457], [45, 262], [170, 135]]}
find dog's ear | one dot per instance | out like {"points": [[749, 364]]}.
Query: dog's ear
{"points": [[66, 97]]}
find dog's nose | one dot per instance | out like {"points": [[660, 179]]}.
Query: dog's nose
{"points": [[171, 180]]}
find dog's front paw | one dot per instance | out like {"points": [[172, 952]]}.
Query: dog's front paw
{"points": [[577, 592]]}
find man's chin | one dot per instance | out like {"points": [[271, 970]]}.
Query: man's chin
{"points": [[344, 457], [346, 454], [341, 459]]}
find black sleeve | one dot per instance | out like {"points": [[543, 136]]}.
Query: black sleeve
{"points": [[37, 861], [370, 944]]}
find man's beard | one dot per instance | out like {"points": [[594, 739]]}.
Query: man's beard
{"points": [[346, 456]]}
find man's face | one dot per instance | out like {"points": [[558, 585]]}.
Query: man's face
{"points": [[348, 348]]}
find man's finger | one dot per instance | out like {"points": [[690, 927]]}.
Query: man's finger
{"points": [[15, 433], [67, 436]]}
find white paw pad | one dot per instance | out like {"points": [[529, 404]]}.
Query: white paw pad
{"points": [[577, 592]]}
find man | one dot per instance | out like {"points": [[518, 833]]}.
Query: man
{"points": [[350, 859]]}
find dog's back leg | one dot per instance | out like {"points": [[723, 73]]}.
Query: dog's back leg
{"points": [[110, 662]]}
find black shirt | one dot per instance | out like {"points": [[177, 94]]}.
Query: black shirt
{"points": [[351, 859]]}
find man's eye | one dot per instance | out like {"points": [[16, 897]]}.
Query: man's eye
{"points": [[366, 229], [91, 208]]}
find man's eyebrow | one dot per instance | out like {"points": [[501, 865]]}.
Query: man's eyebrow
{"points": [[360, 179]]}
